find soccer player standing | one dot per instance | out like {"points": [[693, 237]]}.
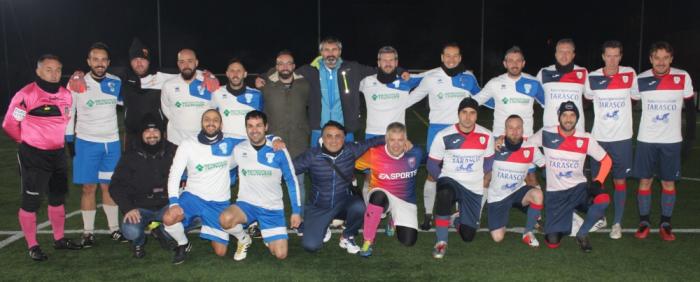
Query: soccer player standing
{"points": [[610, 87], [663, 90], [235, 100]]}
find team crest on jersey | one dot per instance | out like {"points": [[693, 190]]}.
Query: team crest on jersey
{"points": [[676, 79], [248, 97], [396, 83], [625, 78], [526, 153], [527, 87], [223, 147], [112, 87], [177, 89], [503, 86], [270, 157], [412, 161], [579, 75], [579, 143], [482, 139], [200, 89]]}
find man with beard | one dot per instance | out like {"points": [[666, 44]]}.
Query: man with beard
{"points": [[36, 119], [185, 98], [565, 151], [139, 184], [664, 91], [445, 87], [93, 127], [235, 100], [563, 81]]}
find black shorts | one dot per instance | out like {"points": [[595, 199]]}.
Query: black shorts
{"points": [[42, 171]]}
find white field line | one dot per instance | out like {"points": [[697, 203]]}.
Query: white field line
{"points": [[18, 234]]}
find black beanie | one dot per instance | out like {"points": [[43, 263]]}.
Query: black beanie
{"points": [[138, 50], [150, 121], [568, 106], [468, 103]]}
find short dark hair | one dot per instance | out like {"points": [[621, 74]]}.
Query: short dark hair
{"points": [[256, 114], [332, 123], [330, 40], [212, 110], [566, 41], [285, 52], [611, 44], [45, 57], [660, 45], [514, 50], [99, 46], [450, 44], [235, 60]]}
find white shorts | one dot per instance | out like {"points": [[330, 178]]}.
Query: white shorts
{"points": [[403, 213]]}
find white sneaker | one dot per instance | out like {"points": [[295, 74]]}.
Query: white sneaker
{"points": [[616, 232], [601, 223], [439, 250], [242, 249], [349, 245], [337, 223], [576, 223], [327, 237], [530, 240]]}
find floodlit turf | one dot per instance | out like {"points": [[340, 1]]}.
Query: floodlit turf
{"points": [[624, 259]]}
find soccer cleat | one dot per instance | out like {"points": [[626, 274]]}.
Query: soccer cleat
{"points": [[165, 243], [616, 232], [366, 250], [642, 231], [584, 243], [37, 254], [254, 231], [66, 244], [530, 240], [390, 228], [337, 223], [349, 245], [576, 222], [118, 236], [242, 248], [88, 240], [440, 249], [553, 240], [300, 230], [600, 224], [666, 232], [138, 251], [181, 253], [328, 235], [427, 222]]}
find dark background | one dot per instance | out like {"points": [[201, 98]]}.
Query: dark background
{"points": [[256, 30]]}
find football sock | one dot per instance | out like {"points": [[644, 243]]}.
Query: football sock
{"points": [[177, 232], [533, 212], [595, 212], [644, 202], [619, 198], [429, 191], [27, 220], [372, 217], [57, 217], [112, 213], [88, 220], [442, 223]]}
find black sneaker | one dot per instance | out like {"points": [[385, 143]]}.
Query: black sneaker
{"points": [[254, 231], [181, 253], [584, 243], [139, 251], [118, 236], [37, 254], [66, 244], [427, 222], [88, 240], [163, 240]]}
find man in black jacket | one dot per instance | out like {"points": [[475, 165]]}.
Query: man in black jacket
{"points": [[139, 183]]}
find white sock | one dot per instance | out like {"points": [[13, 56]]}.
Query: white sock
{"points": [[177, 231], [429, 191], [112, 213], [88, 220], [483, 201], [238, 232], [365, 189]]}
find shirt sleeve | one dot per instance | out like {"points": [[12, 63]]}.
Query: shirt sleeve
{"points": [[538, 157], [688, 89], [419, 92], [536, 139], [364, 162], [485, 95], [437, 149], [176, 170], [70, 127], [15, 114], [595, 150], [290, 178]]}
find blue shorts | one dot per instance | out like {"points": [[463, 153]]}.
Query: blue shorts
{"points": [[560, 206], [654, 159], [94, 162], [498, 211], [433, 129], [316, 137], [621, 154], [208, 212], [272, 224], [469, 202]]}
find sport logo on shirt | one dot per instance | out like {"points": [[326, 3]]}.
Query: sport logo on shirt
{"points": [[526, 153], [676, 79], [270, 157], [527, 87], [19, 114], [223, 147], [248, 97], [579, 143], [661, 118], [625, 78]]}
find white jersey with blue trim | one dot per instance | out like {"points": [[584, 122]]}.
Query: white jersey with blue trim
{"points": [[507, 96], [560, 87], [444, 94], [183, 104], [662, 104], [612, 106], [510, 169], [207, 167], [386, 103], [94, 112], [260, 174], [234, 108]]}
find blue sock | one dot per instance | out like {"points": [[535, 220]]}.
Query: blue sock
{"points": [[619, 198], [644, 202], [442, 223], [595, 212], [668, 200], [533, 212]]}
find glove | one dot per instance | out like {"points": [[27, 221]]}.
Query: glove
{"points": [[595, 188], [71, 148], [210, 81], [77, 82]]}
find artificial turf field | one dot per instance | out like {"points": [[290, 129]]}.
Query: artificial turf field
{"points": [[624, 259]]}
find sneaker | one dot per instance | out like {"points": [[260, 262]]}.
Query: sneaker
{"points": [[118, 236], [181, 253], [390, 228], [300, 230], [366, 250], [576, 222], [600, 224], [666, 232], [242, 248], [440, 249], [254, 231], [87, 240], [328, 235], [616, 232], [37, 254], [584, 243], [530, 240], [427, 222], [138, 251], [337, 223], [66, 244], [349, 245], [642, 231], [163, 240]]}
